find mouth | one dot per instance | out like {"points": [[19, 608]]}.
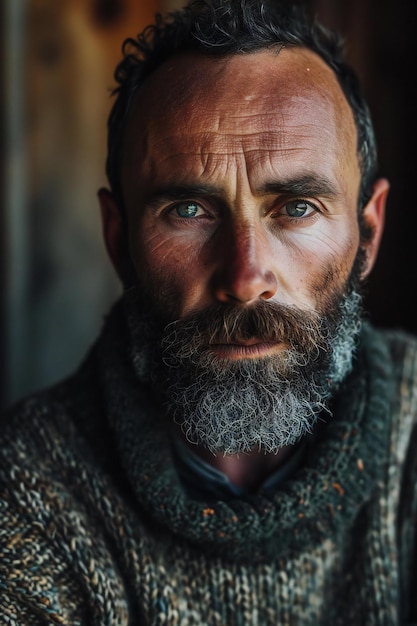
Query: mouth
{"points": [[250, 349]]}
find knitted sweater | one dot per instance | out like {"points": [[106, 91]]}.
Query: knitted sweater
{"points": [[96, 528]]}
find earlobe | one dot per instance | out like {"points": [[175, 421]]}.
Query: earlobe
{"points": [[112, 224], [374, 218]]}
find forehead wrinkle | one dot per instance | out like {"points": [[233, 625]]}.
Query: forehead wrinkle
{"points": [[211, 161], [297, 118], [225, 176], [293, 138], [303, 122]]}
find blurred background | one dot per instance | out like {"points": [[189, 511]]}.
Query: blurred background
{"points": [[56, 71]]}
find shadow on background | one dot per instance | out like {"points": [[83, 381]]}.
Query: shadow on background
{"points": [[59, 58]]}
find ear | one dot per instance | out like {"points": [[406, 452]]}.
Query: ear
{"points": [[374, 217], [113, 229]]}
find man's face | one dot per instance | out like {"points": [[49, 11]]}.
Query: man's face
{"points": [[241, 181]]}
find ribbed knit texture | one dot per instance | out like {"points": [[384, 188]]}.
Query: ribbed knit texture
{"points": [[96, 528]]}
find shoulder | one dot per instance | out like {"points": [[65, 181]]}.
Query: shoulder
{"points": [[39, 444], [394, 336], [35, 429], [400, 341], [400, 348], [47, 435], [398, 359], [387, 359], [31, 431], [50, 478]]}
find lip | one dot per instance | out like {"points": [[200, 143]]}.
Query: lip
{"points": [[254, 348]]}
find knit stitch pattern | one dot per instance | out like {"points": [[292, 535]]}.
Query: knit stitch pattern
{"points": [[97, 529]]}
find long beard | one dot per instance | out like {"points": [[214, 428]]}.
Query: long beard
{"points": [[259, 403]]}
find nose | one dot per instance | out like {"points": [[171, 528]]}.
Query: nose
{"points": [[245, 271]]}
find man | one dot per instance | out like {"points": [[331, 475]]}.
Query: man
{"points": [[239, 445]]}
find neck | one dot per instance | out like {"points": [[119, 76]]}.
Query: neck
{"points": [[246, 470]]}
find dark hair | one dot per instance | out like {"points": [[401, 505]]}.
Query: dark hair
{"points": [[227, 27]]}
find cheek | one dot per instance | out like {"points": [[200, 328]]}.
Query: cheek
{"points": [[323, 260], [331, 278], [169, 272]]}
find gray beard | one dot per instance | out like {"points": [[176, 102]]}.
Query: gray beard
{"points": [[233, 407]]}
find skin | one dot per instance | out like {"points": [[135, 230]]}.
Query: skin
{"points": [[260, 149]]}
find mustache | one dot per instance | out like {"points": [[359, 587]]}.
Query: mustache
{"points": [[265, 321]]}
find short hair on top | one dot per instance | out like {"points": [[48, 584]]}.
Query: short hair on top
{"points": [[230, 27]]}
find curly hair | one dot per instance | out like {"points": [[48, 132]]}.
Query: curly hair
{"points": [[230, 27]]}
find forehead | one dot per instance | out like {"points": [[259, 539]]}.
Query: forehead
{"points": [[199, 111]]}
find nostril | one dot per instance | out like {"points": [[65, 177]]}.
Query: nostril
{"points": [[246, 287], [273, 285]]}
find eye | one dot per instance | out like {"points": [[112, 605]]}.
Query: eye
{"points": [[188, 210], [298, 209]]}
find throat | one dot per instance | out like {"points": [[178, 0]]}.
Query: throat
{"points": [[213, 477], [249, 471]]}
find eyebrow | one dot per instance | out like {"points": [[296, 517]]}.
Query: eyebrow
{"points": [[180, 192], [306, 185]]}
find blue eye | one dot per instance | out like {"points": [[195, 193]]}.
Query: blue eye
{"points": [[187, 209], [298, 208]]}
